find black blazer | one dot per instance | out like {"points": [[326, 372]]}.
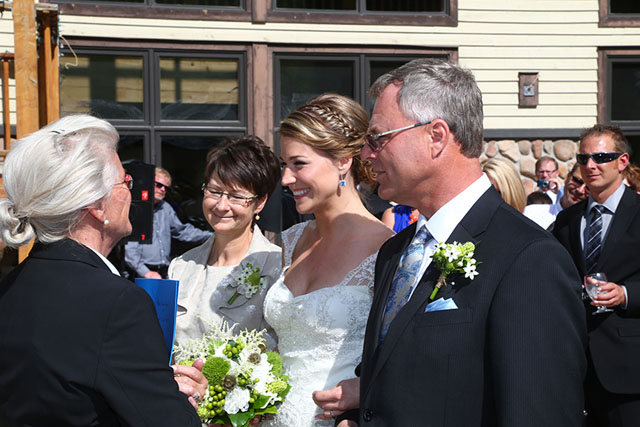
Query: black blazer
{"points": [[614, 338], [512, 354], [80, 346]]}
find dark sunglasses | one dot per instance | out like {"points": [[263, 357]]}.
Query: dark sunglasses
{"points": [[160, 185], [577, 180], [374, 142], [598, 158]]}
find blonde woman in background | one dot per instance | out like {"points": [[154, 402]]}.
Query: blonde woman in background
{"points": [[506, 180]]}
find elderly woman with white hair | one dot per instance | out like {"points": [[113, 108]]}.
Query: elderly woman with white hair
{"points": [[79, 345]]}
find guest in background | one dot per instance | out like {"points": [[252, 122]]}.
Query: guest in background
{"points": [[506, 180], [538, 209], [547, 175], [399, 217], [79, 345], [574, 191], [151, 261], [240, 174], [602, 234], [632, 177]]}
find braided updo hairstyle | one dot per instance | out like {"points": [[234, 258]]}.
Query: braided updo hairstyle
{"points": [[333, 124]]}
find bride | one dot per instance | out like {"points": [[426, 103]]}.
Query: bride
{"points": [[319, 306]]}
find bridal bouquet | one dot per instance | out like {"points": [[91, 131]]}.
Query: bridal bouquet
{"points": [[245, 380]]}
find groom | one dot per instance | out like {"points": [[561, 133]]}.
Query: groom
{"points": [[503, 348]]}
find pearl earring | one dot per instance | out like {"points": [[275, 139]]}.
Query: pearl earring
{"points": [[256, 217], [106, 222]]}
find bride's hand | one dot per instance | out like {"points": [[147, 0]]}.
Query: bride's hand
{"points": [[342, 397]]}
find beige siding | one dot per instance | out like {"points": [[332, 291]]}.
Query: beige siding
{"points": [[495, 39]]}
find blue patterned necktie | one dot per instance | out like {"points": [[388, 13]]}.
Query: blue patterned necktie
{"points": [[405, 278], [594, 238]]}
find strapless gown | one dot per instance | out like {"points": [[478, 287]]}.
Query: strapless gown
{"points": [[320, 335]]}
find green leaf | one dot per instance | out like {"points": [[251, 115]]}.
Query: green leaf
{"points": [[268, 410], [241, 419], [261, 401]]}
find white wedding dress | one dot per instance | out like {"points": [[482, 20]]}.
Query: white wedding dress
{"points": [[320, 335]]}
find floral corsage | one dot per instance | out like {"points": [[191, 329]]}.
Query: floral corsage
{"points": [[453, 258], [248, 282]]}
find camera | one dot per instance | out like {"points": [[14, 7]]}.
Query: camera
{"points": [[543, 183]]}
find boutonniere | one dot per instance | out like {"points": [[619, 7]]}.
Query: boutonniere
{"points": [[248, 282], [451, 258]]}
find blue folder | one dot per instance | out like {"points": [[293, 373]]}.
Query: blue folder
{"points": [[164, 294]]}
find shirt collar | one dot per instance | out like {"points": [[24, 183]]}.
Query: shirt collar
{"points": [[611, 203], [447, 218], [106, 261]]}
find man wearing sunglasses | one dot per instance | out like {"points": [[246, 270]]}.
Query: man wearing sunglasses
{"points": [[151, 261], [575, 190], [484, 350], [602, 234]]}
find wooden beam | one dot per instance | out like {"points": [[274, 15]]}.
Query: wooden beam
{"points": [[48, 75], [26, 67], [26, 72], [6, 105]]}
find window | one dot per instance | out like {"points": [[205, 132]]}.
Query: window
{"points": [[379, 12], [299, 78], [170, 107], [619, 13], [619, 93]]}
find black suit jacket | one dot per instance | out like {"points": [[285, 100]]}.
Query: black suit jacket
{"points": [[512, 354], [614, 338], [80, 346]]}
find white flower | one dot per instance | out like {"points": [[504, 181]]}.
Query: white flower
{"points": [[470, 271], [237, 400]]}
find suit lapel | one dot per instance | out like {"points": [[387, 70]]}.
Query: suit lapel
{"points": [[576, 240], [625, 212]]}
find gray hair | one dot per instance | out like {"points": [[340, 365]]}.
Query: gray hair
{"points": [[435, 88], [53, 175]]}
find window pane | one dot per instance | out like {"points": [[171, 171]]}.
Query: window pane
{"points": [[185, 157], [199, 89], [625, 6], [625, 91], [301, 80], [131, 147], [110, 87], [317, 4], [405, 5], [232, 3]]}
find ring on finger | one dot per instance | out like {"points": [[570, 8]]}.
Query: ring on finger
{"points": [[196, 396], [331, 413]]}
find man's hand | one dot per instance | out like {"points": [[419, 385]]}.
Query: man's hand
{"points": [[612, 295], [152, 275], [342, 397], [191, 381]]}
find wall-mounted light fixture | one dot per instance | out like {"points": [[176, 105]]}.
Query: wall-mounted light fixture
{"points": [[527, 90]]}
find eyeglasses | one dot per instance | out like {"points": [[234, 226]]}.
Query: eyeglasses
{"points": [[373, 140], [160, 186], [128, 181], [234, 199], [599, 158], [577, 180]]}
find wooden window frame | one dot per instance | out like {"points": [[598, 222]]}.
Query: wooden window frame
{"points": [[605, 58], [606, 19], [259, 11]]}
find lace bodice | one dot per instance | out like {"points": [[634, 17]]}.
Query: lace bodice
{"points": [[320, 334]]}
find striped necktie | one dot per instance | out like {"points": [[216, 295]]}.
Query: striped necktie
{"points": [[405, 278], [594, 238]]}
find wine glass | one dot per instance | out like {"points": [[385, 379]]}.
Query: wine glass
{"points": [[592, 286]]}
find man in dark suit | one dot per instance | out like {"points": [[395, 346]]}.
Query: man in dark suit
{"points": [[505, 348], [602, 234]]}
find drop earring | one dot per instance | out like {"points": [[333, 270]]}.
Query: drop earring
{"points": [[342, 181], [256, 217]]}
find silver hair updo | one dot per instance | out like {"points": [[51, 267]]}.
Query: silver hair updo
{"points": [[52, 175]]}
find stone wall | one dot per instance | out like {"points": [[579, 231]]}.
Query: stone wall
{"points": [[524, 153]]}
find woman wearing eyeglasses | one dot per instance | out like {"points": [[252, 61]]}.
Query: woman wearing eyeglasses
{"points": [[319, 306], [240, 175], [79, 345]]}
